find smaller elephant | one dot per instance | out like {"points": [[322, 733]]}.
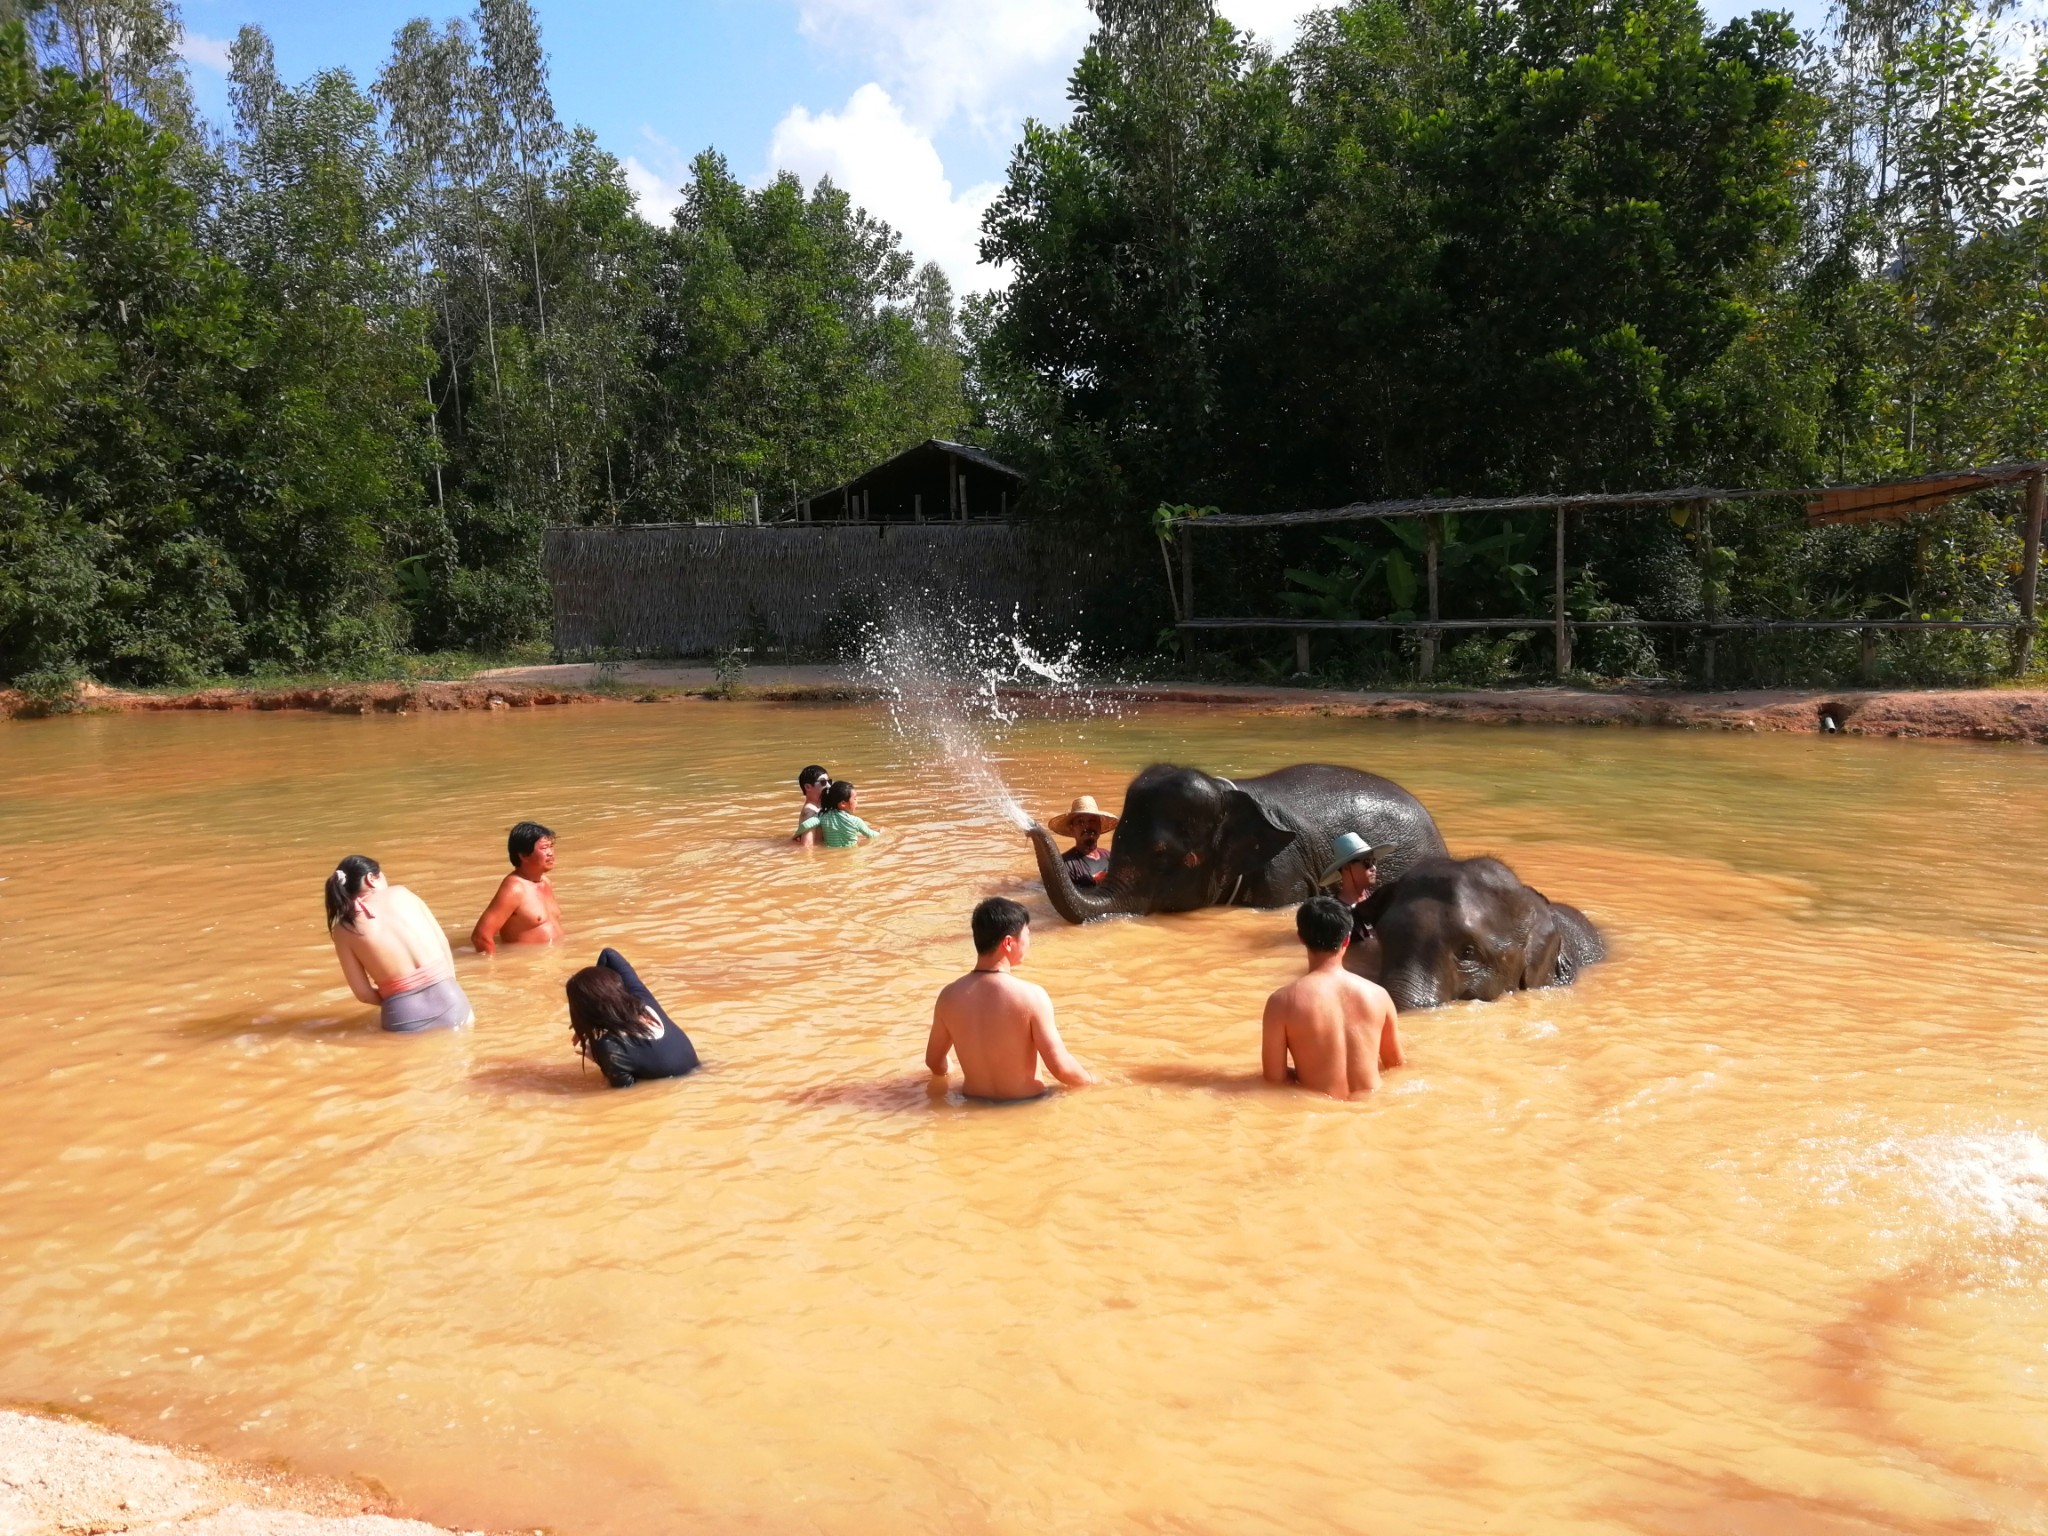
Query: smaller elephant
{"points": [[1456, 930]]}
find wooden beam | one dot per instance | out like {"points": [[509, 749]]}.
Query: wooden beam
{"points": [[1561, 638], [2030, 572]]}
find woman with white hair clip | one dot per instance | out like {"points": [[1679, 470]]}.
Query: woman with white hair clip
{"points": [[392, 951]]}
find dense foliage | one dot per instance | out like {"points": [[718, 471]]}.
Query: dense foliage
{"points": [[307, 390], [1453, 247]]}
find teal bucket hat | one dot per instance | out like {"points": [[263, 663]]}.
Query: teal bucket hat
{"points": [[1349, 846]]}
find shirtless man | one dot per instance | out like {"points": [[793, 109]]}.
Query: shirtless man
{"points": [[1340, 1029], [525, 910], [1000, 1026], [393, 954]]}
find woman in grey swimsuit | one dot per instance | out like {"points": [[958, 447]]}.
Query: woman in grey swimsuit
{"points": [[392, 951]]}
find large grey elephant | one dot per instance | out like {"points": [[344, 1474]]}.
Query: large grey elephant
{"points": [[1452, 930], [1190, 839]]}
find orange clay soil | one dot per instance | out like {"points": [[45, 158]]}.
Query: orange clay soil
{"points": [[1991, 714]]}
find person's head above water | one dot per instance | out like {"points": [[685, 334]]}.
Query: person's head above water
{"points": [[1323, 925], [531, 847], [1001, 925], [838, 795], [813, 777], [600, 1005], [346, 885]]}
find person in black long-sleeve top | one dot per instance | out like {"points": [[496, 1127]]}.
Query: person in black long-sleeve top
{"points": [[617, 1023]]}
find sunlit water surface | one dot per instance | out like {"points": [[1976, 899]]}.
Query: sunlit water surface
{"points": [[1747, 1233]]}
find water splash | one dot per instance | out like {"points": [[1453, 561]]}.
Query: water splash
{"points": [[955, 683]]}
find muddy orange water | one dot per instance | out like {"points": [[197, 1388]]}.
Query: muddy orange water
{"points": [[1748, 1233]]}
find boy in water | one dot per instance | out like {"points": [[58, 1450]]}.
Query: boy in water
{"points": [[525, 910], [813, 782], [1001, 1027], [835, 824], [1340, 1029]]}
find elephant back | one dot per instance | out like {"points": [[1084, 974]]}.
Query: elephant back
{"points": [[1321, 802]]}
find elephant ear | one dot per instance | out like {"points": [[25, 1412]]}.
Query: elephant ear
{"points": [[1540, 952], [1252, 834]]}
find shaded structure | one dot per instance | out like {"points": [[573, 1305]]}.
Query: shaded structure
{"points": [[935, 482], [1880, 501]]}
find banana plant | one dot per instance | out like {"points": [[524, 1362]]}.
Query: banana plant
{"points": [[1386, 580]]}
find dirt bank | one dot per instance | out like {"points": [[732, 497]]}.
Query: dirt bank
{"points": [[1990, 714], [1997, 714], [63, 1477], [330, 699]]}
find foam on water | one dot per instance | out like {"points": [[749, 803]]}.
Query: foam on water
{"points": [[955, 683], [1966, 1184]]}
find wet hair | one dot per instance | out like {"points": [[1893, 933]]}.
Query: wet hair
{"points": [[345, 885], [837, 793], [1323, 924], [524, 838], [813, 775], [600, 1005], [995, 920]]}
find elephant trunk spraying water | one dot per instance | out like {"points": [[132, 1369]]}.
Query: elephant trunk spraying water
{"points": [[1189, 839]]}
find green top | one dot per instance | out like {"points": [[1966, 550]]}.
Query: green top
{"points": [[842, 829]]}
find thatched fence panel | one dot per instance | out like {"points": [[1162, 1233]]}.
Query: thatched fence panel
{"points": [[689, 590]]}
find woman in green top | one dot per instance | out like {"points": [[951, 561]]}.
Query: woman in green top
{"points": [[835, 824]]}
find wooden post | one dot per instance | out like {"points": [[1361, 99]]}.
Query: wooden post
{"points": [[1704, 511], [2030, 572], [1563, 638], [1866, 657], [963, 498], [1301, 655], [917, 506], [1429, 636], [1187, 586]]}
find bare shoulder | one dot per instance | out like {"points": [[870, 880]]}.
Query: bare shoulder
{"points": [[1371, 992], [1030, 991]]}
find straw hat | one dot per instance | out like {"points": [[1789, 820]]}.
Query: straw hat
{"points": [[1348, 847], [1084, 806]]}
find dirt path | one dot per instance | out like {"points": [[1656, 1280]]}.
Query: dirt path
{"points": [[63, 1477], [1988, 714]]}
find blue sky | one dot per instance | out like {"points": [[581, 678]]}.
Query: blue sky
{"points": [[911, 105]]}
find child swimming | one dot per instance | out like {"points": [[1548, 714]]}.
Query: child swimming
{"points": [[835, 824]]}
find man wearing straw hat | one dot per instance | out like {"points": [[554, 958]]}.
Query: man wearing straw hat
{"points": [[1087, 861]]}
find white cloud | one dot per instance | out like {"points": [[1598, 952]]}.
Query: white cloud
{"points": [[207, 52], [1274, 22], [990, 62], [890, 167], [657, 181]]}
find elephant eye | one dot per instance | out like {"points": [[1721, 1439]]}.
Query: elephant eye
{"points": [[1469, 952]]}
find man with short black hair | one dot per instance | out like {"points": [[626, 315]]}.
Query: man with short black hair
{"points": [[1000, 1026], [812, 782], [524, 911], [1341, 1030]]}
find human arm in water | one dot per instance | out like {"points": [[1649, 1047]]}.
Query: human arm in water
{"points": [[359, 983], [503, 908], [1273, 1046], [938, 1047], [1052, 1050], [807, 832], [1391, 1054]]}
